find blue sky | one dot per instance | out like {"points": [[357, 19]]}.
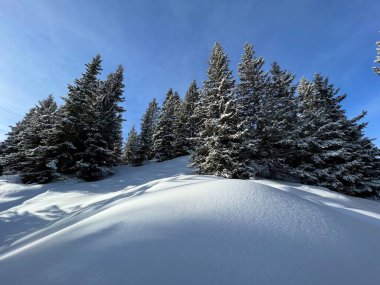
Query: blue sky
{"points": [[45, 44]]}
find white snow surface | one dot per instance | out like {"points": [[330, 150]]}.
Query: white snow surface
{"points": [[159, 224]]}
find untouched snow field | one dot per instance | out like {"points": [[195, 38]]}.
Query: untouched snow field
{"points": [[158, 224]]}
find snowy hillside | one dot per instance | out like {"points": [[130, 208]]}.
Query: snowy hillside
{"points": [[158, 224]]}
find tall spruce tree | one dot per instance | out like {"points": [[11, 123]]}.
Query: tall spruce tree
{"points": [[148, 126], [132, 154], [186, 126], [76, 118], [220, 149], [164, 136], [276, 124], [251, 93]]}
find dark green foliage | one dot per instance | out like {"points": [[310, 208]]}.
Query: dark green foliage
{"points": [[186, 125], [132, 151], [164, 136], [148, 126]]}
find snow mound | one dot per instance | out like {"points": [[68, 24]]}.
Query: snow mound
{"points": [[191, 229]]}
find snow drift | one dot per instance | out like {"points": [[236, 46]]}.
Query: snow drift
{"points": [[177, 228]]}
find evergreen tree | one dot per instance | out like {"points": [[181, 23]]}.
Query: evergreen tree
{"points": [[251, 93], [77, 119], [220, 150], [164, 136], [276, 124], [377, 60], [37, 146], [132, 153], [186, 127], [2, 148], [148, 127], [13, 157], [331, 150]]}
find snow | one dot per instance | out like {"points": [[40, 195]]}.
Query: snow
{"points": [[159, 224]]}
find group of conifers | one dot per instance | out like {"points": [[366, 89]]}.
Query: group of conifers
{"points": [[264, 125]]}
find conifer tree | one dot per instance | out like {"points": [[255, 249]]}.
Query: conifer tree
{"points": [[132, 153], [331, 150], [251, 94], [37, 146], [164, 136], [220, 150], [276, 123], [148, 126], [377, 59], [13, 157], [77, 119], [186, 127]]}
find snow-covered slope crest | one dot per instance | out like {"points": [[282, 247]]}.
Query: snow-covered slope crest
{"points": [[186, 229]]}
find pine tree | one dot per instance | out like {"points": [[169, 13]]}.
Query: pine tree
{"points": [[37, 146], [110, 114], [331, 150], [164, 136], [276, 123], [13, 157], [251, 93], [76, 118], [220, 149], [2, 149], [377, 59], [132, 153], [186, 126], [148, 126]]}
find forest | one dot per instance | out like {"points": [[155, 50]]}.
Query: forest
{"points": [[263, 125]]}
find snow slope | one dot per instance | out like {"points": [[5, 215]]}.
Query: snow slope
{"points": [[158, 224]]}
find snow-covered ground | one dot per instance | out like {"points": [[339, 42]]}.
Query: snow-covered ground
{"points": [[158, 224]]}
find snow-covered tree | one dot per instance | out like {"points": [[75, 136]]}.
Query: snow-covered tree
{"points": [[276, 123], [110, 114], [148, 126], [13, 157], [164, 136], [219, 149], [377, 59], [2, 148], [186, 126], [37, 144], [76, 118], [331, 150], [251, 93], [132, 154]]}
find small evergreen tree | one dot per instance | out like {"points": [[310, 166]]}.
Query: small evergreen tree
{"points": [[377, 59], [148, 127], [186, 126], [164, 136], [132, 153]]}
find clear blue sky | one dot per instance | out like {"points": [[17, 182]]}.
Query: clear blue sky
{"points": [[45, 44]]}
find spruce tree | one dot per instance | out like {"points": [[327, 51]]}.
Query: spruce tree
{"points": [[37, 146], [164, 136], [331, 150], [148, 127], [251, 93], [220, 149], [132, 154], [77, 119], [186, 126], [276, 124], [377, 59]]}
